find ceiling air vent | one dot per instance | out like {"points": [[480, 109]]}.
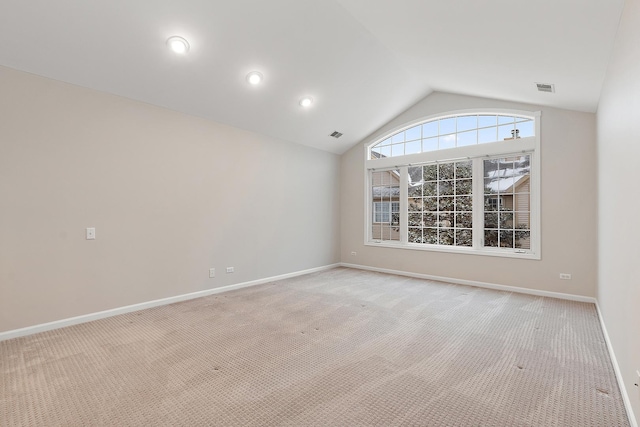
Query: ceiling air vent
{"points": [[545, 87], [336, 134]]}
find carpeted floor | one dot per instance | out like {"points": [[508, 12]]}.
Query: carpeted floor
{"points": [[338, 348]]}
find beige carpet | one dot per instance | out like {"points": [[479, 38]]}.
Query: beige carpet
{"points": [[338, 348]]}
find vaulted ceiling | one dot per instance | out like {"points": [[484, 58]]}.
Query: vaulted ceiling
{"points": [[362, 61]]}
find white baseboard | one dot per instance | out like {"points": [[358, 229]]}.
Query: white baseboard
{"points": [[616, 369], [506, 288], [149, 304]]}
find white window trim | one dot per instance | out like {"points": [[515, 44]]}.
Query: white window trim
{"points": [[530, 145]]}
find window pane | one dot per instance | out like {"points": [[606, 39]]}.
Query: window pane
{"points": [[523, 239], [463, 186], [467, 123], [430, 172], [381, 212], [522, 220], [415, 204], [413, 147], [430, 129], [526, 129], [464, 220], [486, 121], [430, 219], [399, 137], [447, 141], [415, 175], [431, 235], [430, 204], [490, 220], [506, 220], [505, 132], [464, 238], [467, 138], [445, 203], [487, 135], [414, 219], [397, 150], [447, 237], [491, 238], [413, 133], [506, 238], [415, 190], [464, 203], [430, 144], [392, 233], [445, 220], [447, 125], [430, 189], [415, 235], [445, 188], [385, 142], [384, 177], [380, 178], [385, 151], [505, 119], [446, 171], [492, 203], [464, 169]]}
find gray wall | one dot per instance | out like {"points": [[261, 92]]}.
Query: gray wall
{"points": [[568, 201], [619, 201], [170, 196]]}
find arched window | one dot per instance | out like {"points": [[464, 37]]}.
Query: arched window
{"points": [[452, 132], [461, 182]]}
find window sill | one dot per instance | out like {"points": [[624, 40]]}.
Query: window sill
{"points": [[455, 250]]}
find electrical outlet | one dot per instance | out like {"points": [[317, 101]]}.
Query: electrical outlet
{"points": [[212, 273], [354, 253], [565, 276], [230, 269], [91, 233]]}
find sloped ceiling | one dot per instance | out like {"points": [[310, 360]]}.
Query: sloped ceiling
{"points": [[363, 61]]}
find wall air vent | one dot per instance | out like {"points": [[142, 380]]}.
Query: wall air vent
{"points": [[336, 134], [545, 87]]}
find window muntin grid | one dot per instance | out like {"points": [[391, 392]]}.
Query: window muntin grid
{"points": [[385, 196], [514, 239], [440, 204], [452, 132], [507, 202], [385, 212]]}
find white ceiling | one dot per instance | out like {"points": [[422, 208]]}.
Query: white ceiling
{"points": [[363, 61]]}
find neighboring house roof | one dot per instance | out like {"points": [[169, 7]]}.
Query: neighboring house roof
{"points": [[386, 192], [505, 185], [505, 180]]}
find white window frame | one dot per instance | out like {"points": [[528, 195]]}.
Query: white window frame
{"points": [[506, 148]]}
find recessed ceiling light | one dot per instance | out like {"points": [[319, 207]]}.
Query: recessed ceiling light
{"points": [[178, 44], [254, 77], [306, 101]]}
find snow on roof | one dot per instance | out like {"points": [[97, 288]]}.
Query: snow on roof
{"points": [[501, 185], [386, 192]]}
